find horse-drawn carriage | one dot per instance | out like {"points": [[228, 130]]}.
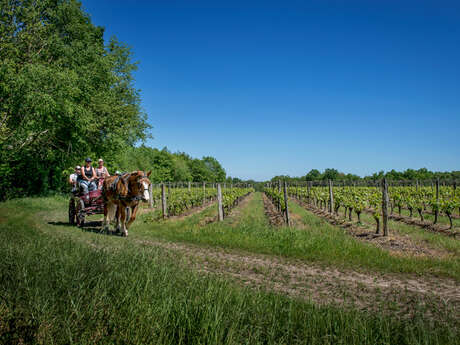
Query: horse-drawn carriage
{"points": [[82, 205]]}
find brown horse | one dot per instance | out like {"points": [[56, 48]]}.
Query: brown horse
{"points": [[120, 192]]}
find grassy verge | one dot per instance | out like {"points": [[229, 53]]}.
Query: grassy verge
{"points": [[106, 290]]}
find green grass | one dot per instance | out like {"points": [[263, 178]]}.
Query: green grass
{"points": [[320, 242], [61, 285]]}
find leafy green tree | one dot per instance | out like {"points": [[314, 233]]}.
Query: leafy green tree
{"points": [[200, 171], [313, 175], [217, 172], [64, 94], [330, 174]]}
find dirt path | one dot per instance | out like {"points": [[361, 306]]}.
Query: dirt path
{"points": [[407, 294]]}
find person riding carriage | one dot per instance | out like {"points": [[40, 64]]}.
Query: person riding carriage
{"points": [[88, 176], [87, 198], [101, 172], [74, 179]]}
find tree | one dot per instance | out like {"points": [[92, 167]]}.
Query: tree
{"points": [[330, 174], [313, 175], [64, 95], [200, 171]]}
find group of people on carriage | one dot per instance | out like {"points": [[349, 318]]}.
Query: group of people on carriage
{"points": [[86, 178], [95, 192]]}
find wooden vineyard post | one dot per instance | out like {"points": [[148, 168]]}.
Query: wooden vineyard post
{"points": [[150, 196], [164, 207], [385, 201], [436, 212], [279, 191], [331, 198], [219, 203], [189, 186], [286, 209], [204, 193]]}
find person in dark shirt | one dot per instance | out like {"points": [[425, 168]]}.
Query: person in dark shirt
{"points": [[88, 177]]}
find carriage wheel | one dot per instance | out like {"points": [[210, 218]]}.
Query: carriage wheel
{"points": [[80, 213], [72, 211]]}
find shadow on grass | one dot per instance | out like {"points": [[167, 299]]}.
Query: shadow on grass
{"points": [[61, 224], [99, 231], [93, 226]]}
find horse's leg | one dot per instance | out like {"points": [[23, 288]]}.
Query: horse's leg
{"points": [[105, 223], [133, 215], [122, 210], [117, 216]]}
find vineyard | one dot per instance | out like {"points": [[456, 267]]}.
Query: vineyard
{"points": [[223, 263], [176, 200], [440, 201]]}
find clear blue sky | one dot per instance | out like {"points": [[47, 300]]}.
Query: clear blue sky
{"points": [[282, 87]]}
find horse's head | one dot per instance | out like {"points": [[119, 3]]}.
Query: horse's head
{"points": [[139, 184]]}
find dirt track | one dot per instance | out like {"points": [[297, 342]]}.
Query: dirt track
{"points": [[409, 293]]}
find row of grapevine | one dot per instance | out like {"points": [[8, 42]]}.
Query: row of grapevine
{"points": [[231, 197], [181, 199], [280, 200], [277, 198], [176, 201], [423, 200]]}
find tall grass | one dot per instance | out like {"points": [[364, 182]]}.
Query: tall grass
{"points": [[106, 290], [320, 242]]}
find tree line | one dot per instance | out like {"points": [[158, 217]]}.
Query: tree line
{"points": [[168, 166], [406, 175]]}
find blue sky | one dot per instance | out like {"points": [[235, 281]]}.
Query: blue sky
{"points": [[283, 87]]}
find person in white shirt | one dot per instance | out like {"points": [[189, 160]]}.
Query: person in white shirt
{"points": [[74, 179]]}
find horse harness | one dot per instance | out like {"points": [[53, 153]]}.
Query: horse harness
{"points": [[125, 178]]}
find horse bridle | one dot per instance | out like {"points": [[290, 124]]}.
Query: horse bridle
{"points": [[141, 186]]}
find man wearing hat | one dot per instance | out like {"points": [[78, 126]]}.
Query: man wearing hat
{"points": [[88, 176], [74, 179]]}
